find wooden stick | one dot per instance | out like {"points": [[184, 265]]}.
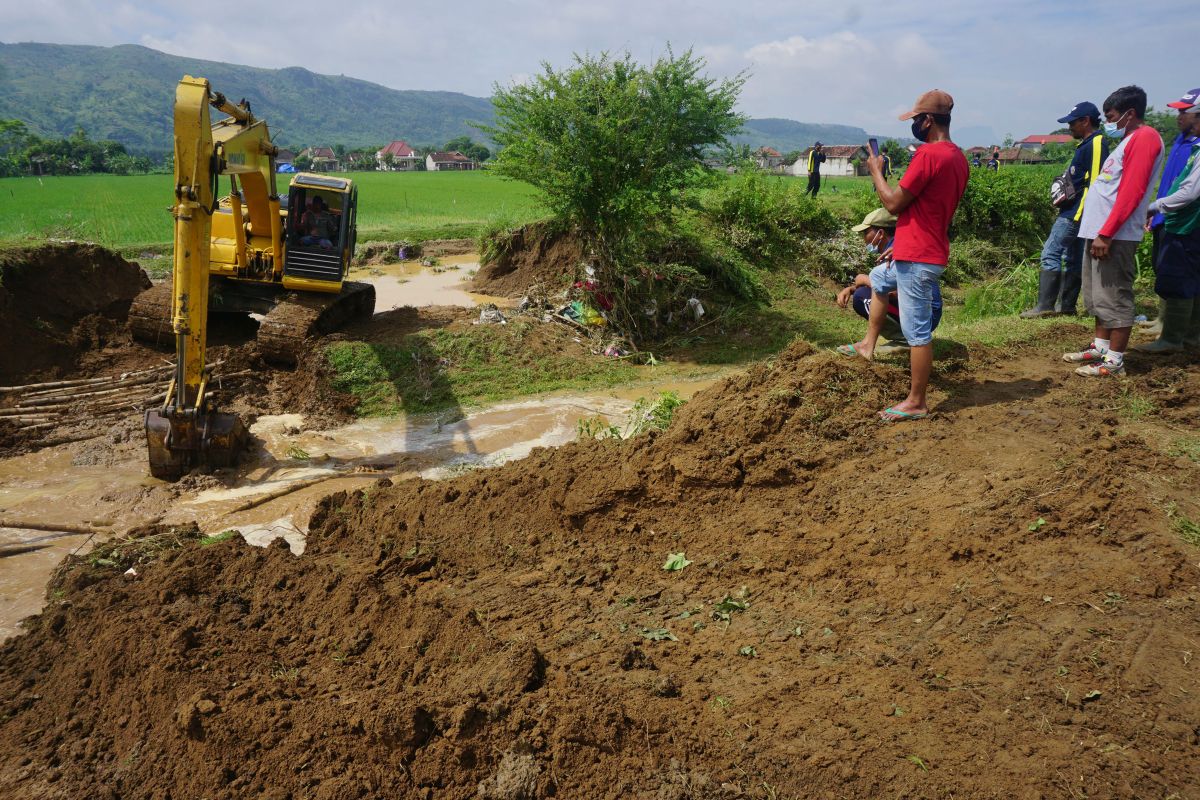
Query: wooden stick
{"points": [[86, 381], [44, 526], [111, 386], [275, 495]]}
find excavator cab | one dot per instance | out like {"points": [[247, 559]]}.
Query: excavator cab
{"points": [[321, 231]]}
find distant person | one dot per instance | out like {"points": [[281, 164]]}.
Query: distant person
{"points": [[816, 157], [924, 202], [878, 230], [993, 162], [1177, 267], [976, 161], [1180, 151], [1062, 252], [319, 226], [887, 165], [1113, 223]]}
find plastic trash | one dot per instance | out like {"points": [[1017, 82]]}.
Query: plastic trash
{"points": [[1140, 318], [491, 315], [696, 307]]}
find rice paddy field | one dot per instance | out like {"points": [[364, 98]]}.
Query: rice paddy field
{"points": [[130, 213]]}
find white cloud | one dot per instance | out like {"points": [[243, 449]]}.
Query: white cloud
{"points": [[849, 62]]}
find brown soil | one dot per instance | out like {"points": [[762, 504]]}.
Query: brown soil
{"points": [[58, 300], [66, 305], [534, 256], [990, 603]]}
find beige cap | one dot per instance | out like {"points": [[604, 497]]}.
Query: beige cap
{"points": [[934, 101], [879, 218]]}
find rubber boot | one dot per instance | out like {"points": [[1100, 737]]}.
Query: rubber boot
{"points": [[1072, 282], [1192, 339], [1176, 318], [1047, 295], [1154, 326]]}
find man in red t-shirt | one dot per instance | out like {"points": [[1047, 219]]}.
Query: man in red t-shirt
{"points": [[924, 203]]}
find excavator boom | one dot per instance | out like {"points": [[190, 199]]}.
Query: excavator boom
{"points": [[188, 431]]}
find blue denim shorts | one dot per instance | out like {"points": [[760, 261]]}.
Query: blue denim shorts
{"points": [[913, 284]]}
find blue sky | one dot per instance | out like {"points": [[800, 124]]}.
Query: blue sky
{"points": [[1012, 67]]}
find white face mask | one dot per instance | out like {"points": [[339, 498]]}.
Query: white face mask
{"points": [[1111, 129]]}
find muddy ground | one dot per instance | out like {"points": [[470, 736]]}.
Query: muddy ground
{"points": [[995, 602]]}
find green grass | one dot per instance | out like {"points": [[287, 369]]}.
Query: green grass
{"points": [[437, 369], [129, 213]]}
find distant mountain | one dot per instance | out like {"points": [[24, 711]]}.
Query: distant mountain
{"points": [[126, 93], [785, 134]]}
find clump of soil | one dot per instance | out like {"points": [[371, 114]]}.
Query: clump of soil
{"points": [[533, 255], [990, 603], [59, 299]]}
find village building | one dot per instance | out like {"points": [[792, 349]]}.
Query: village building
{"points": [[840, 160], [1036, 142], [402, 157], [768, 158], [323, 159], [454, 160], [284, 156]]}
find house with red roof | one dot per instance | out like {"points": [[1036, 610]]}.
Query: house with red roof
{"points": [[323, 159], [1038, 141], [768, 158], [454, 160], [398, 156]]}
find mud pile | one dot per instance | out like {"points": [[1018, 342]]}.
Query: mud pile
{"points": [[989, 604], [59, 299], [534, 255]]}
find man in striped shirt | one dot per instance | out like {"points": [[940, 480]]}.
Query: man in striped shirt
{"points": [[1111, 227]]}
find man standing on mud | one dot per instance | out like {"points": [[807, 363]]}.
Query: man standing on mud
{"points": [[1113, 223], [924, 202]]}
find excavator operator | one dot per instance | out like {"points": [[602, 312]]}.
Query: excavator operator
{"points": [[319, 225]]}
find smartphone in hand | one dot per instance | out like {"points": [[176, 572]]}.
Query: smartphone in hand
{"points": [[873, 143]]}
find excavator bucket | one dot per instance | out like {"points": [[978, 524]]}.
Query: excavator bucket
{"points": [[178, 444]]}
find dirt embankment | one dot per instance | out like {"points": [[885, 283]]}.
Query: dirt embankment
{"points": [[987, 604], [58, 300], [63, 313], [533, 256]]}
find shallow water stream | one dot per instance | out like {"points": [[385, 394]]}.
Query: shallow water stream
{"points": [[112, 498]]}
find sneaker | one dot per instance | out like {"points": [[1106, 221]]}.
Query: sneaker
{"points": [[1102, 369], [1088, 355]]}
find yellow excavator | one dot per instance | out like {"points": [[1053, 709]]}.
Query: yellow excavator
{"points": [[281, 259]]}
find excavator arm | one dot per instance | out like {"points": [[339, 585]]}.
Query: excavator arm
{"points": [[188, 431]]}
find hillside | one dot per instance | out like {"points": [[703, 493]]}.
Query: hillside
{"points": [[125, 92], [786, 134]]}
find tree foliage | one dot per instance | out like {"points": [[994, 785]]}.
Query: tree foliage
{"points": [[896, 151], [24, 153], [471, 149], [612, 144]]}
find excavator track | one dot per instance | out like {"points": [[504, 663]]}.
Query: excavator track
{"points": [[150, 316], [283, 333]]}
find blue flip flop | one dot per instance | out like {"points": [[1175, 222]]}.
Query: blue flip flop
{"points": [[893, 414]]}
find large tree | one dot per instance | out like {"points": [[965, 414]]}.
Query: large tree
{"points": [[612, 143]]}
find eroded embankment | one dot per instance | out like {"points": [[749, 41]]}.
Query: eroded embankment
{"points": [[988, 604]]}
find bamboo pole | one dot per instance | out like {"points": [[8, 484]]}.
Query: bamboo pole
{"points": [[26, 525]]}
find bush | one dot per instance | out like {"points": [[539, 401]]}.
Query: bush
{"points": [[1010, 207], [765, 218]]}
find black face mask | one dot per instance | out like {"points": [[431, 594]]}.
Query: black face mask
{"points": [[919, 133]]}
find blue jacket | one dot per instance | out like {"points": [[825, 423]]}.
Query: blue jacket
{"points": [[1089, 156], [1181, 148]]}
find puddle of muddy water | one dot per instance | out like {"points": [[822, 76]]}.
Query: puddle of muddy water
{"points": [[409, 283], [46, 487]]}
